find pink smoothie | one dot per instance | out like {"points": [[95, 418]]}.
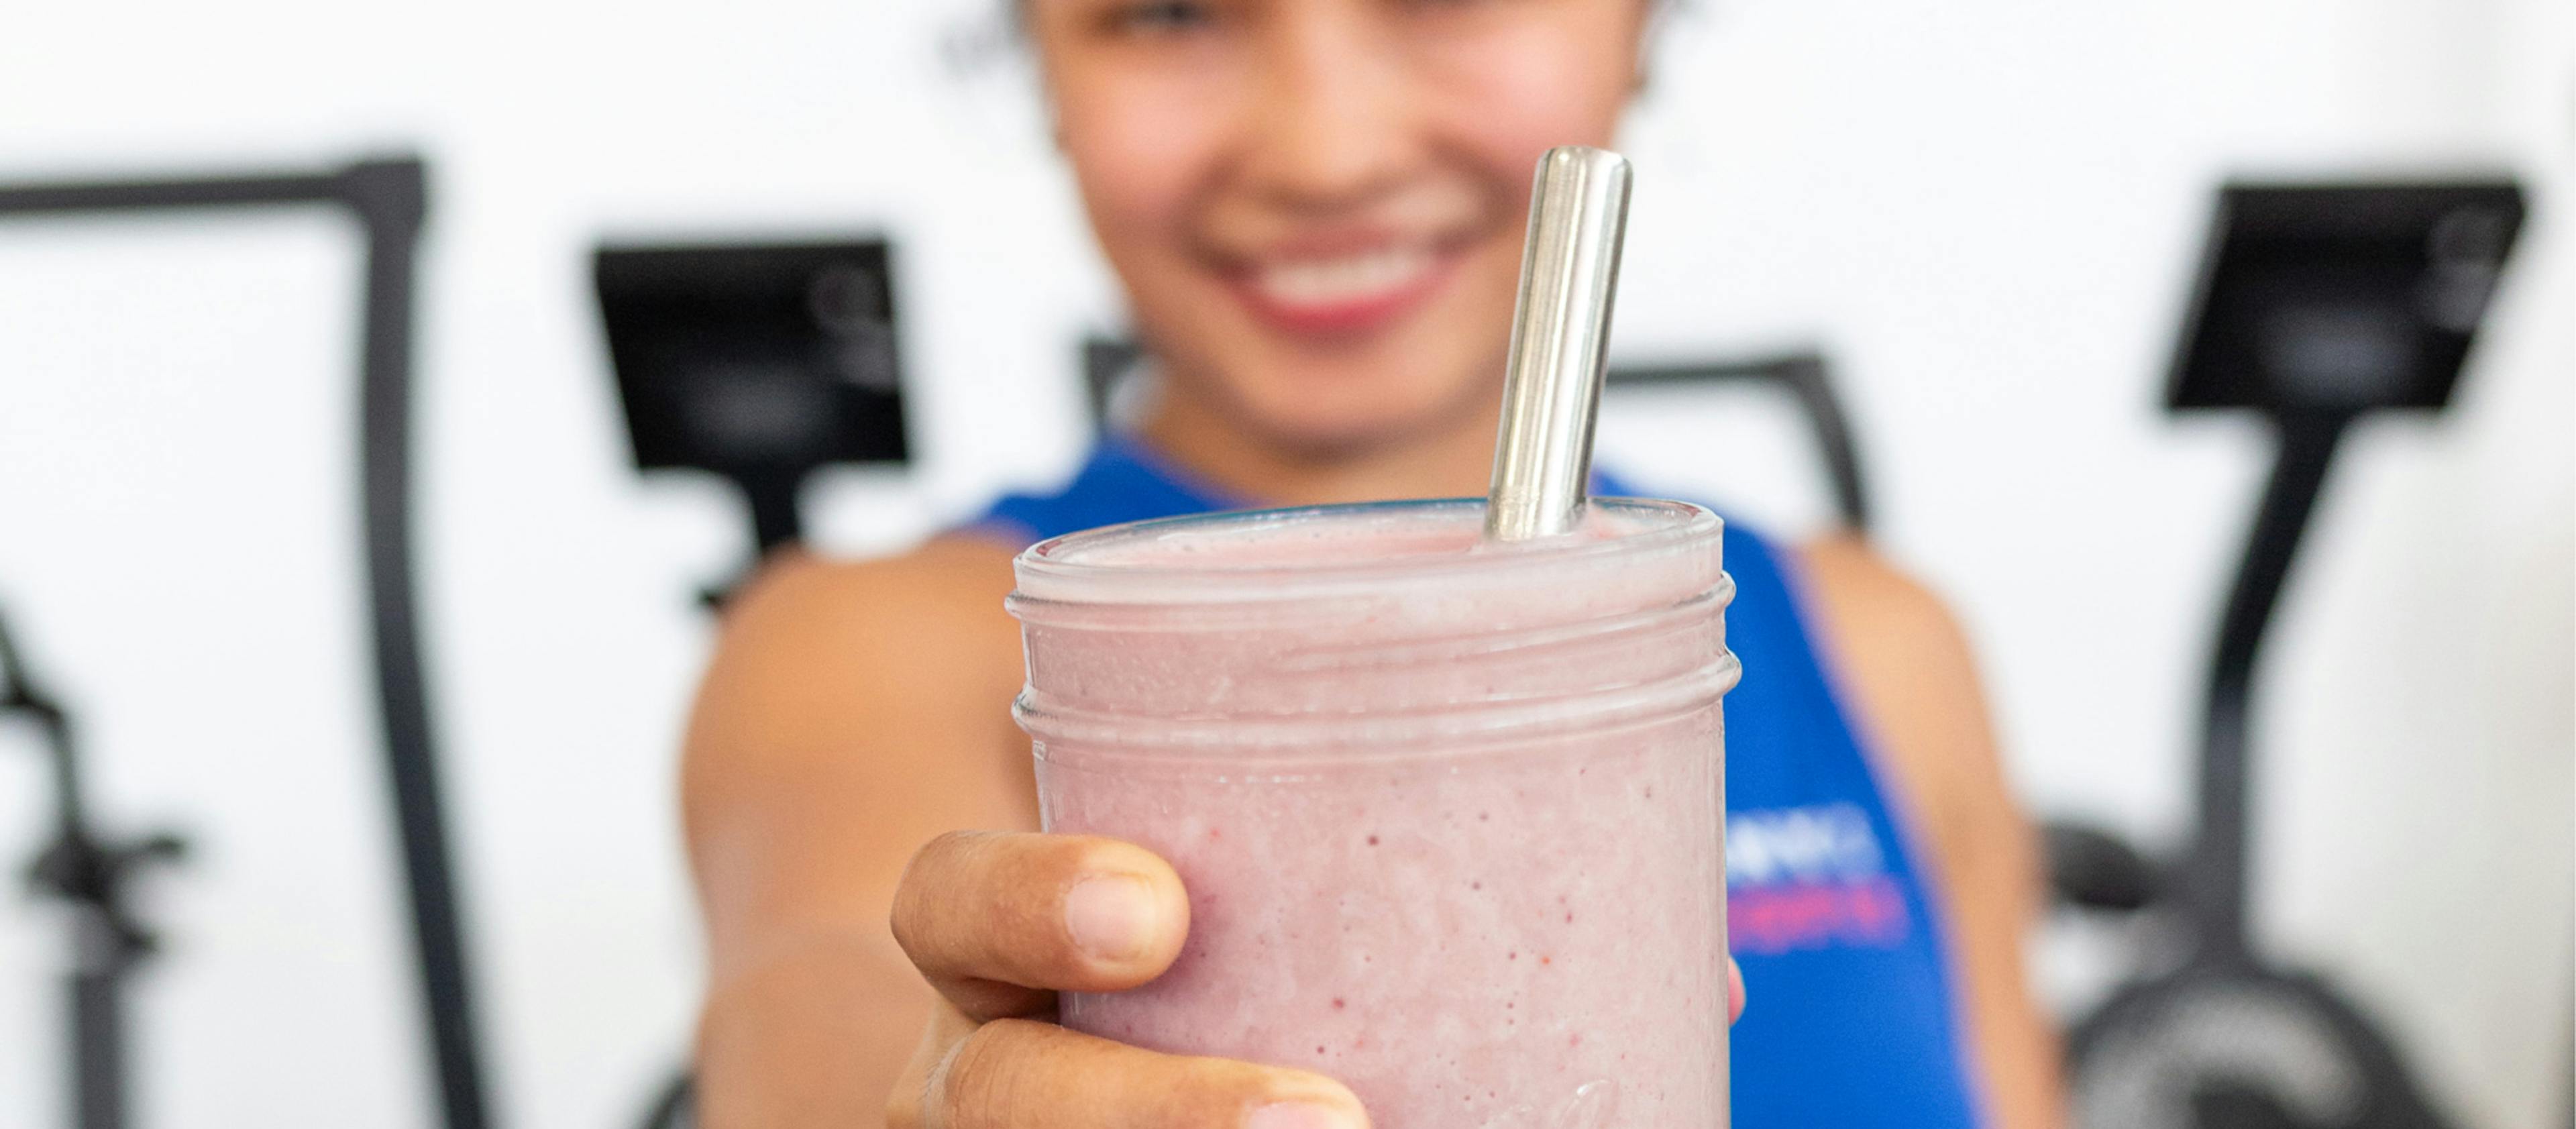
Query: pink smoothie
{"points": [[1449, 814]]}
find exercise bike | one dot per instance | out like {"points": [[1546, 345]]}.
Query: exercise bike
{"points": [[2317, 305]]}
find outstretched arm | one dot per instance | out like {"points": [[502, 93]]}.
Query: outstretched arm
{"points": [[852, 713]]}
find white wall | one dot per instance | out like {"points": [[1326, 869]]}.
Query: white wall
{"points": [[1986, 207]]}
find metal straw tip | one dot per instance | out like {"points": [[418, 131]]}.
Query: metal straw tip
{"points": [[1560, 343]]}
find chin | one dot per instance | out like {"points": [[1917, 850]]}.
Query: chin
{"points": [[1333, 423]]}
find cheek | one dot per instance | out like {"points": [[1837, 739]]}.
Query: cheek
{"points": [[1509, 96], [1140, 148]]}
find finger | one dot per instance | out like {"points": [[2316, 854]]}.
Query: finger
{"points": [[908, 1107], [1018, 1074], [996, 920], [1734, 991]]}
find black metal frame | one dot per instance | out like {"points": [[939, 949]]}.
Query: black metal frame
{"points": [[90, 873], [1804, 376], [389, 199]]}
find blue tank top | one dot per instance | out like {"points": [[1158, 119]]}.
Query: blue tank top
{"points": [[1851, 1023]]}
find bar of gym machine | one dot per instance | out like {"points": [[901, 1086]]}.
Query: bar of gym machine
{"points": [[389, 198]]}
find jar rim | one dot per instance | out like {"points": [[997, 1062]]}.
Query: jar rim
{"points": [[1273, 743], [1087, 567]]}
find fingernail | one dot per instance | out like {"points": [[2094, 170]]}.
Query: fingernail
{"points": [[1298, 1115], [1111, 917]]}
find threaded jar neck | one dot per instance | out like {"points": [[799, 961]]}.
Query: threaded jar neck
{"points": [[1367, 631]]}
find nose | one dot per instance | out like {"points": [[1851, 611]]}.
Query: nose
{"points": [[1333, 122]]}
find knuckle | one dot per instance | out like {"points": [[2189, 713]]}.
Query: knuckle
{"points": [[928, 881], [979, 1082], [910, 1105], [905, 923], [915, 1100]]}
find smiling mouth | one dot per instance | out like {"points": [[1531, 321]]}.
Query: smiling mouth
{"points": [[1342, 293]]}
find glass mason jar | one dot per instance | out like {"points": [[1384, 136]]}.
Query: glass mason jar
{"points": [[1450, 813]]}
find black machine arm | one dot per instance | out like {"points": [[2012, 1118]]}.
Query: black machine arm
{"points": [[2219, 857], [20, 695]]}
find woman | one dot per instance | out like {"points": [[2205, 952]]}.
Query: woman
{"points": [[1316, 208]]}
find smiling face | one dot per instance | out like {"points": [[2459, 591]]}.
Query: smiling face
{"points": [[1317, 206]]}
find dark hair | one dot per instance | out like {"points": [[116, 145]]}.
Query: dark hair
{"points": [[976, 42]]}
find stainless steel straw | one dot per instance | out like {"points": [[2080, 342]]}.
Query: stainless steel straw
{"points": [[1560, 344]]}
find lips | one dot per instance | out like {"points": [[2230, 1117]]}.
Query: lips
{"points": [[1341, 293]]}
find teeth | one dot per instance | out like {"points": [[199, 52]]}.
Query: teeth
{"points": [[1344, 280]]}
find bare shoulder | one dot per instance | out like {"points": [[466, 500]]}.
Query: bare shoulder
{"points": [[1903, 657], [1874, 610], [814, 646], [954, 582]]}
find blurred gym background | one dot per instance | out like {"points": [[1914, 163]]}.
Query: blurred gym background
{"points": [[1991, 216]]}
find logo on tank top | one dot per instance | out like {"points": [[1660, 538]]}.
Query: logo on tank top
{"points": [[1809, 878]]}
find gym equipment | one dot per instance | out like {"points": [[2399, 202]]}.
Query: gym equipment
{"points": [[2317, 305], [89, 872], [389, 198], [1803, 375], [759, 363]]}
